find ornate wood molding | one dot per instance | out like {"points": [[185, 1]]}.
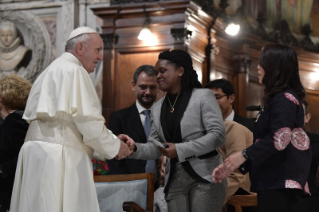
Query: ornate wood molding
{"points": [[180, 34], [109, 40]]}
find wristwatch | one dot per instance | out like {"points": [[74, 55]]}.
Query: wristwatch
{"points": [[244, 154]]}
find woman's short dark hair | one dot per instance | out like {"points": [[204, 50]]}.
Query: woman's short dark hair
{"points": [[280, 64], [182, 58]]}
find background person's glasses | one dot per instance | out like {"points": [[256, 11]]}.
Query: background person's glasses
{"points": [[219, 96]]}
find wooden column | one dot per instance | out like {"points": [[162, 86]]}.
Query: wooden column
{"points": [[109, 40], [242, 63]]}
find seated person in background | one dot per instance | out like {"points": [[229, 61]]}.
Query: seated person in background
{"points": [[14, 93], [160, 204], [238, 138], [310, 203], [225, 96]]}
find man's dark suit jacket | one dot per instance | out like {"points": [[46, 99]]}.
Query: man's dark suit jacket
{"points": [[249, 123], [127, 121]]}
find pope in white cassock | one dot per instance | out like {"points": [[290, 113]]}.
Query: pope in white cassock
{"points": [[54, 171]]}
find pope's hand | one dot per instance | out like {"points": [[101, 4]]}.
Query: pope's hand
{"points": [[124, 150]]}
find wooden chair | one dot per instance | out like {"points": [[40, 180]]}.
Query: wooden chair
{"points": [[130, 192], [239, 201]]}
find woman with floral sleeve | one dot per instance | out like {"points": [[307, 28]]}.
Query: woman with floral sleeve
{"points": [[279, 160]]}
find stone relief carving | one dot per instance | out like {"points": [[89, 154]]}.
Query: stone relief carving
{"points": [[14, 57], [67, 14], [35, 38], [51, 26]]}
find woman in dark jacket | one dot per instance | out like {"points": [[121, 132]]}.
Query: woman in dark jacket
{"points": [[14, 92], [279, 160]]}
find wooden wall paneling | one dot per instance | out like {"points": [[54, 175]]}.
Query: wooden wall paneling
{"points": [[224, 60]]}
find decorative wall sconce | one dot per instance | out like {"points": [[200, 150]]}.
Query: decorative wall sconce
{"points": [[145, 32], [231, 27], [180, 34]]}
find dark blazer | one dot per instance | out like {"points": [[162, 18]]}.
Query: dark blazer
{"points": [[127, 121], [280, 156], [249, 123]]}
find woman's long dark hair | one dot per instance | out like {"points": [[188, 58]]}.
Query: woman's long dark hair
{"points": [[280, 64], [181, 58]]}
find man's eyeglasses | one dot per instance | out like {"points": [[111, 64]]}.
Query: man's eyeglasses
{"points": [[219, 96]]}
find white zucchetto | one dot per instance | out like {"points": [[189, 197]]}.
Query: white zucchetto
{"points": [[79, 31]]}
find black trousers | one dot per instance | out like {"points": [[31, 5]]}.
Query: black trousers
{"points": [[278, 200], [5, 194]]}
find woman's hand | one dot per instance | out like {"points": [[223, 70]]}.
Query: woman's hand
{"points": [[169, 151], [220, 173], [225, 169], [234, 161]]}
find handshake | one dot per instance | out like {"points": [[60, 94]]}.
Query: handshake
{"points": [[127, 147]]}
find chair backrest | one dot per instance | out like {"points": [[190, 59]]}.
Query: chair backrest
{"points": [[113, 190], [239, 201]]}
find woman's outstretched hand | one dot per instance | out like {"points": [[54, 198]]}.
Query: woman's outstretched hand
{"points": [[234, 161], [169, 151], [225, 169], [220, 173]]}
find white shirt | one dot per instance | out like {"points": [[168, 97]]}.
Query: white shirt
{"points": [[231, 116], [140, 110]]}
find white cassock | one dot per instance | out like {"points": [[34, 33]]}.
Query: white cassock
{"points": [[54, 171]]}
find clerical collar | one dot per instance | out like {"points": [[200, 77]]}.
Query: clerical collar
{"points": [[12, 47]]}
